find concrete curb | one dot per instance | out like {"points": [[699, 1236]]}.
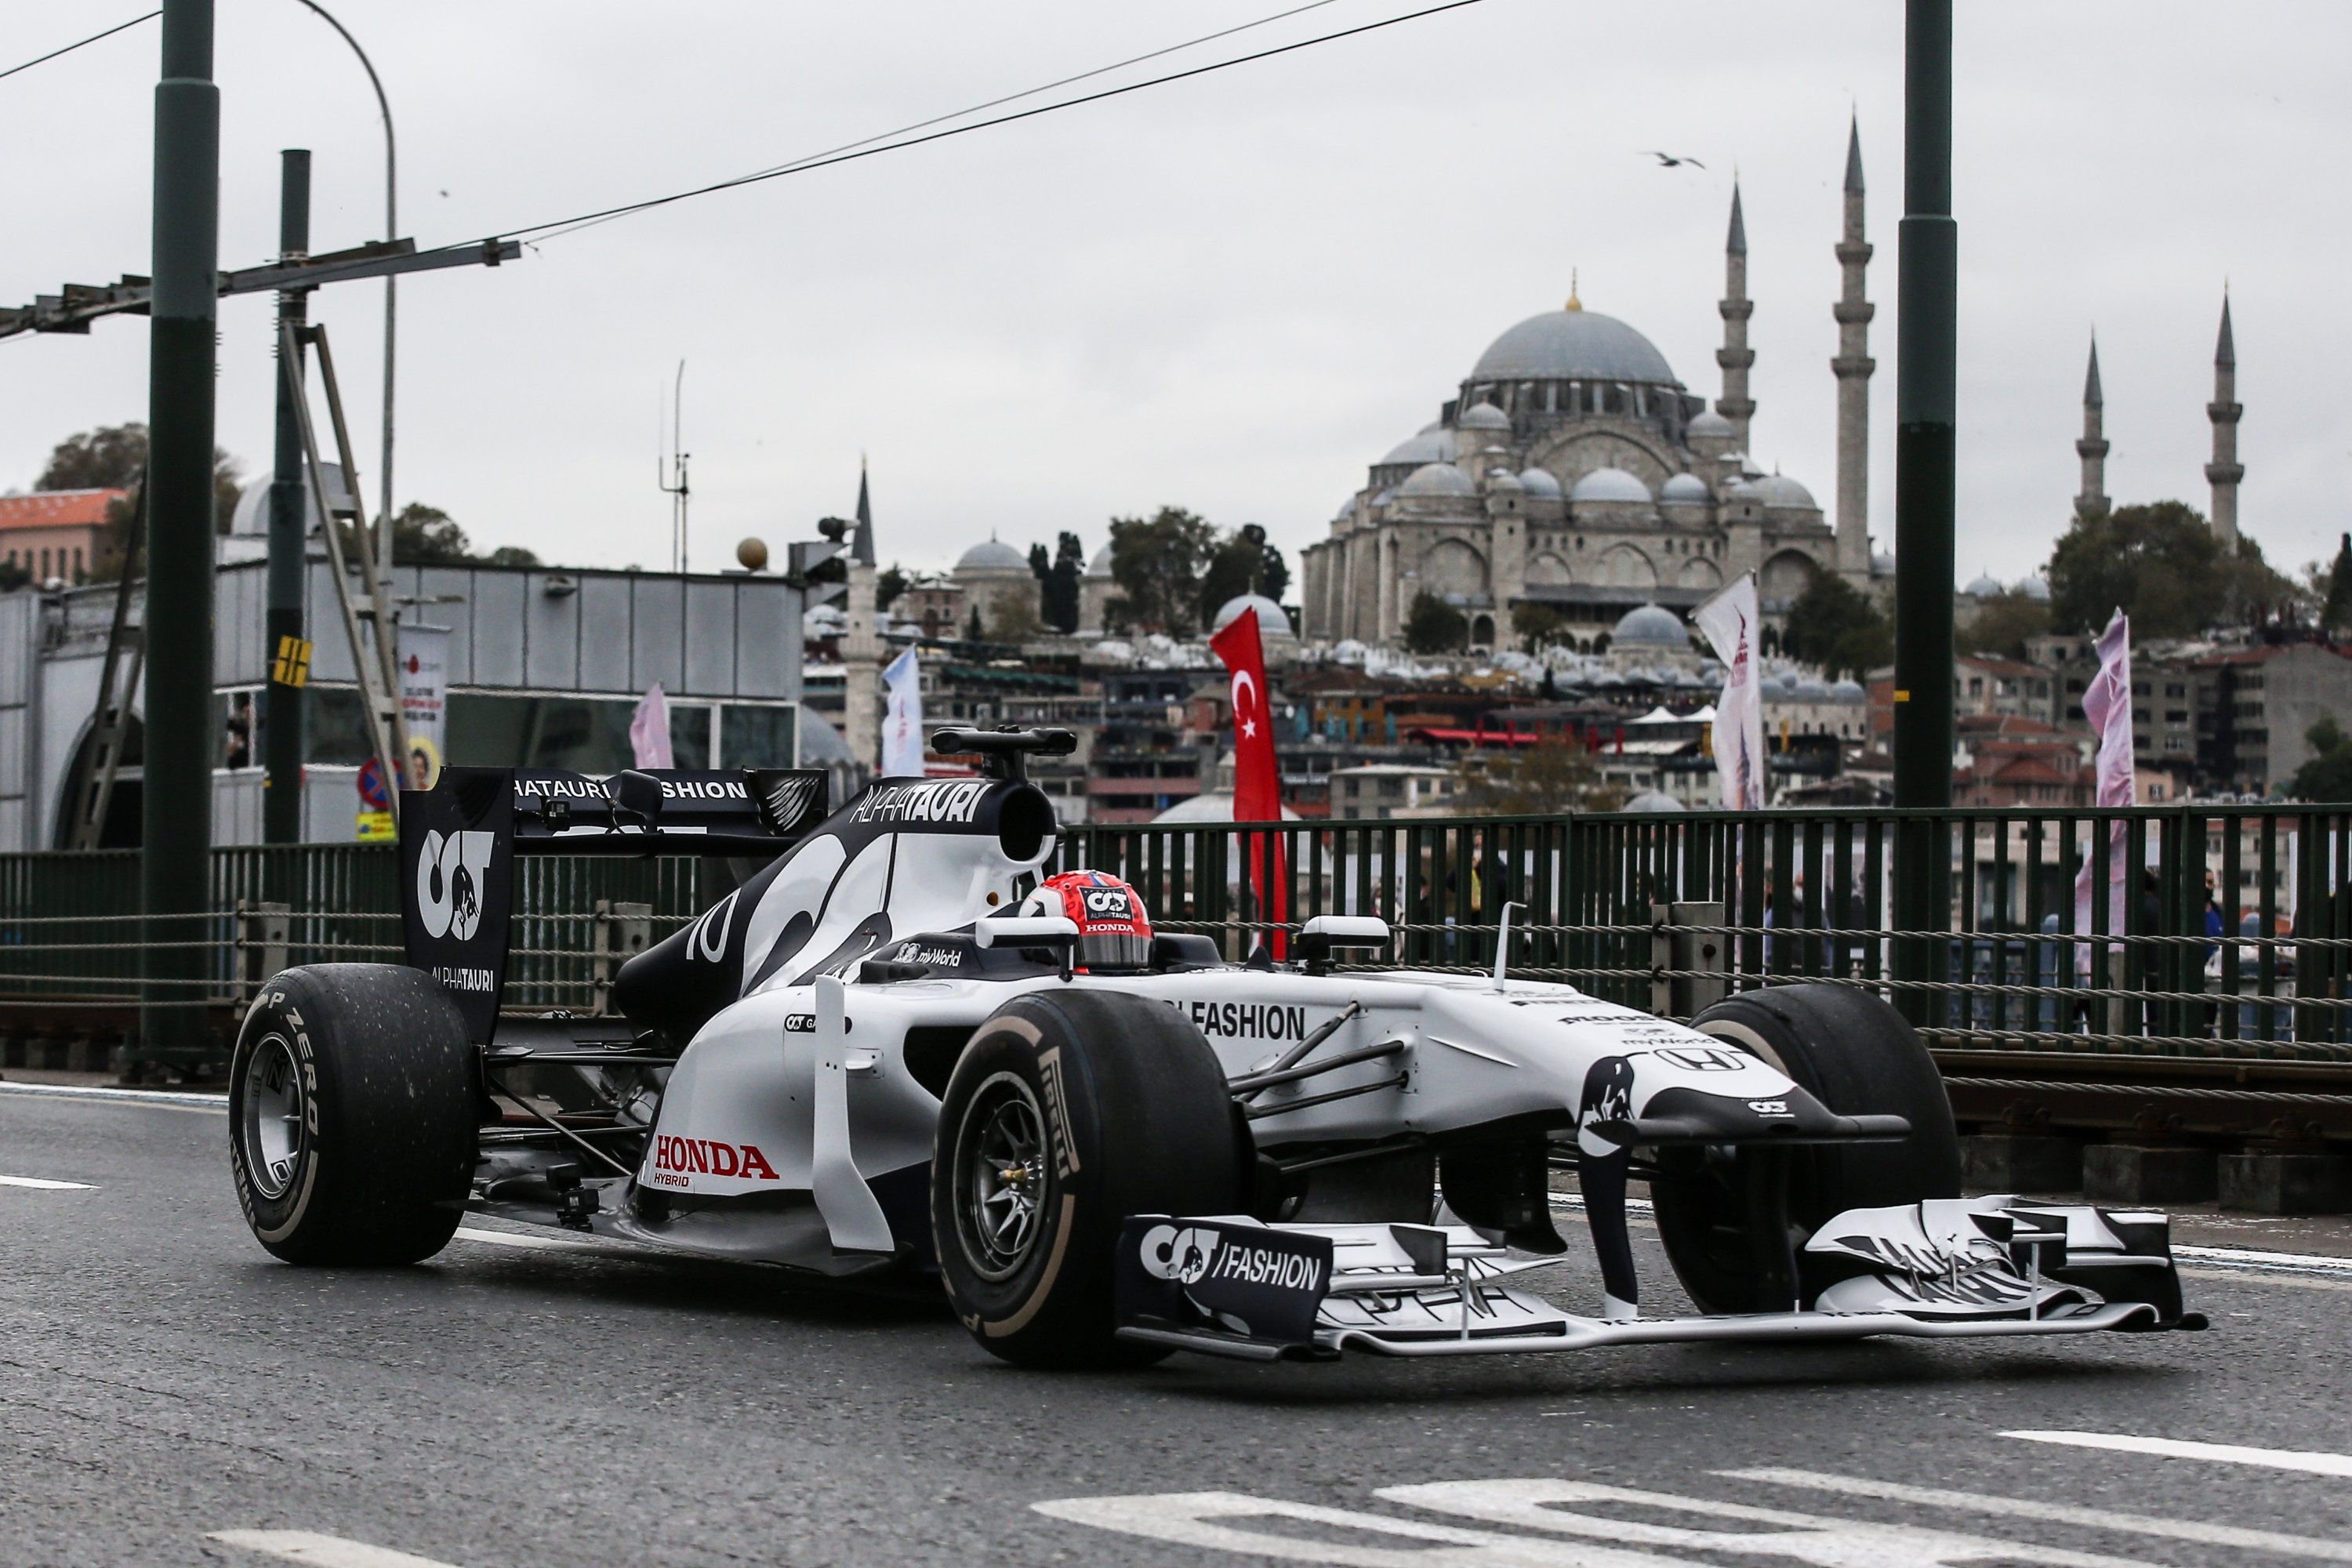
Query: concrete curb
{"points": [[133, 1096]]}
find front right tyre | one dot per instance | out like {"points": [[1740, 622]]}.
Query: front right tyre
{"points": [[354, 1122]]}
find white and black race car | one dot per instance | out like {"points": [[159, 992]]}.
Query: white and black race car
{"points": [[891, 1048]]}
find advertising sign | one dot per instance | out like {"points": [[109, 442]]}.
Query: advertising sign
{"points": [[424, 702]]}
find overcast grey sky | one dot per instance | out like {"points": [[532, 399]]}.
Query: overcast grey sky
{"points": [[1231, 293]]}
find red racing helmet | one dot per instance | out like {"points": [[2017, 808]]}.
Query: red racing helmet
{"points": [[1114, 929]]}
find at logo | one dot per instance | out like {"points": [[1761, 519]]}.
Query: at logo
{"points": [[1771, 1107], [1112, 901], [1705, 1058], [708, 942], [450, 873], [1183, 1255]]}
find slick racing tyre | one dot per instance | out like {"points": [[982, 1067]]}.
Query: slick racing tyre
{"points": [[352, 1116], [1068, 1111], [1858, 1056]]}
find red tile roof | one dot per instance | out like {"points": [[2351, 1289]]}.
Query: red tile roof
{"points": [[56, 509]]}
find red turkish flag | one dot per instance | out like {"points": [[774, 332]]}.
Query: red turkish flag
{"points": [[1257, 779]]}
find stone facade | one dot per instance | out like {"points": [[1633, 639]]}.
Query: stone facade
{"points": [[1574, 470]]}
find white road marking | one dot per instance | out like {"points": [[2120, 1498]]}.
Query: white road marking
{"points": [[2059, 1513], [1802, 1537], [2240, 1257], [513, 1238], [2220, 1453], [173, 1098], [1234, 1521], [45, 1184], [324, 1551], [2314, 1280]]}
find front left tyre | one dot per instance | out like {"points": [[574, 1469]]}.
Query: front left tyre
{"points": [[1069, 1110], [353, 1115]]}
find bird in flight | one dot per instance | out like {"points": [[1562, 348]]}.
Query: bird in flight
{"points": [[1668, 160]]}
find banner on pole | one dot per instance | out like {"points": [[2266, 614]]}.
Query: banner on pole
{"points": [[424, 702], [1728, 620]]}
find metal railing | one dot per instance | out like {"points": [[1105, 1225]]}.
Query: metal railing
{"points": [[1656, 910]]}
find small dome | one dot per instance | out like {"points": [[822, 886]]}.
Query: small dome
{"points": [[1651, 626], [1437, 480], [1346, 509], [2035, 588], [1707, 422], [1209, 808], [1482, 416], [990, 554], [1651, 800], [1776, 689], [1779, 490], [1101, 565], [1609, 484], [1684, 487], [1504, 480], [1882, 564], [1272, 622], [1432, 444], [1986, 587], [1539, 483], [1848, 690], [1811, 691]]}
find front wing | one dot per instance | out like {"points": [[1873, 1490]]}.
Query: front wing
{"points": [[1233, 1286]]}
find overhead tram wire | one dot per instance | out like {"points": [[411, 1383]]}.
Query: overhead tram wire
{"points": [[773, 169], [549, 229], [53, 54]]}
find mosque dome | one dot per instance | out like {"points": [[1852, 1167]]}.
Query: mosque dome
{"points": [[1609, 484], [1707, 422], [2036, 588], [1503, 479], [1986, 587], [1684, 487], [1437, 480], [1272, 622], [1580, 343], [1101, 565], [1482, 416], [1811, 691], [1651, 626], [1346, 509], [1539, 483], [993, 555], [1779, 490], [1652, 800], [1848, 690], [1433, 444]]}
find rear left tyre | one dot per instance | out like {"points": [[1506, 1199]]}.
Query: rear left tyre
{"points": [[353, 1115], [1068, 1111]]}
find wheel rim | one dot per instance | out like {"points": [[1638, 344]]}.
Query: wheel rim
{"points": [[274, 1124], [1001, 1177]]}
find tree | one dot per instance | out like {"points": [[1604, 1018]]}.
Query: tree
{"points": [[114, 456], [972, 630], [425, 535], [1433, 625], [2163, 566], [1059, 601], [1157, 564], [12, 576], [1552, 776], [1835, 625], [889, 585], [2001, 625], [1244, 563], [2334, 588], [1012, 618], [2327, 776], [1540, 627]]}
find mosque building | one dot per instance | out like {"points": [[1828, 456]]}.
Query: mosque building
{"points": [[1574, 470]]}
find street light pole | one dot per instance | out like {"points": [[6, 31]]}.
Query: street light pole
{"points": [[176, 788], [1925, 353], [391, 284], [284, 636]]}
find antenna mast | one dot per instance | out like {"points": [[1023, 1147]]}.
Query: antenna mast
{"points": [[675, 487]]}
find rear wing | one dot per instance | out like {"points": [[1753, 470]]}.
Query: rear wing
{"points": [[459, 838]]}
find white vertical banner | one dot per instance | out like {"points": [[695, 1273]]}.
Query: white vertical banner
{"points": [[424, 702], [649, 732], [1729, 621], [2108, 706], [902, 726]]}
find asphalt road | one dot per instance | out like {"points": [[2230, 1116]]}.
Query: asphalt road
{"points": [[163, 1382]]}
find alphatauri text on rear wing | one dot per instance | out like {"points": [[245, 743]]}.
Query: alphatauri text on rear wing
{"points": [[458, 841]]}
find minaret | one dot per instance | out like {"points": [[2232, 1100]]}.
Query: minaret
{"points": [[2224, 472], [1853, 367], [1735, 357], [861, 543], [2093, 447]]}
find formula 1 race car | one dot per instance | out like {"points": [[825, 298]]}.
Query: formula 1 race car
{"points": [[892, 1048]]}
